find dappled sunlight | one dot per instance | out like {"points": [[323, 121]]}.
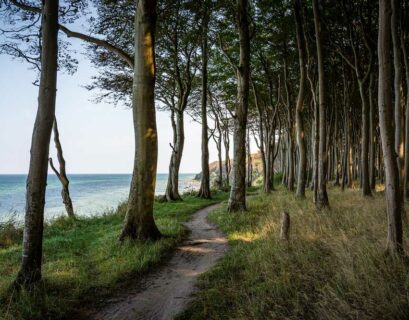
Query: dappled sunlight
{"points": [[244, 236], [380, 188]]}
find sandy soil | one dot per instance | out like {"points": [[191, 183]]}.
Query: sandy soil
{"points": [[165, 292]]}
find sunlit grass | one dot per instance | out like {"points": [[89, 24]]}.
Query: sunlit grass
{"points": [[333, 266], [84, 262]]}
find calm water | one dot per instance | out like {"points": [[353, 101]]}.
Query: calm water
{"points": [[91, 194]]}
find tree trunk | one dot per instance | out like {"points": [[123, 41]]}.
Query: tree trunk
{"points": [[172, 189], [237, 199], [30, 269], [366, 189], [204, 191], [249, 161], [372, 137], [398, 108], [322, 196], [393, 196], [62, 175], [302, 167], [406, 177], [139, 223]]}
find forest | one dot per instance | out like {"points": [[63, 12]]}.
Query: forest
{"points": [[321, 87]]}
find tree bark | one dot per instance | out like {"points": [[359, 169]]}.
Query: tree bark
{"points": [[139, 223], [398, 108], [322, 196], [204, 191], [172, 189], [30, 269], [393, 196], [406, 176], [237, 200], [372, 137], [62, 174], [302, 167]]}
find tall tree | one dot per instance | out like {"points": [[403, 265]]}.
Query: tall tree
{"points": [[322, 196], [204, 191], [302, 166], [30, 270], [393, 196], [139, 222], [237, 200]]}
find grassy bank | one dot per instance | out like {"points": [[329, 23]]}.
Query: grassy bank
{"points": [[83, 261], [333, 266]]}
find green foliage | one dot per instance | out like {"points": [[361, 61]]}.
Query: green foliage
{"points": [[83, 260], [333, 266]]}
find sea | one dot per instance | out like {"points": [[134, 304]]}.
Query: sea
{"points": [[91, 194]]}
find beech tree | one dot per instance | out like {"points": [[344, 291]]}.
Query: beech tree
{"points": [[30, 270], [139, 222], [237, 200], [393, 196]]}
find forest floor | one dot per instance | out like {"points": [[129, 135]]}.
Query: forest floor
{"points": [[334, 265], [84, 265]]}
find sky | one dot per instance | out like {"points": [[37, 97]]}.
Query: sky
{"points": [[96, 137]]}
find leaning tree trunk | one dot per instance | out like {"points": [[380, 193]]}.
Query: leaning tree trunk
{"points": [[302, 167], [393, 196], [139, 222], [237, 200], [204, 191], [172, 189], [322, 196], [30, 269], [62, 174]]}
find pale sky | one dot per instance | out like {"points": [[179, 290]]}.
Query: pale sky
{"points": [[96, 138]]}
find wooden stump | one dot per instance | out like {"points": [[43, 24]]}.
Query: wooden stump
{"points": [[285, 226]]}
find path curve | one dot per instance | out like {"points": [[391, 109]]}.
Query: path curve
{"points": [[166, 292]]}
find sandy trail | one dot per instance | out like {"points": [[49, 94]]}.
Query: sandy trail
{"points": [[166, 292]]}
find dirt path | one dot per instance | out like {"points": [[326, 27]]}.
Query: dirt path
{"points": [[166, 292]]}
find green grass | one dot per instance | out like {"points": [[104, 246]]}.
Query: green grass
{"points": [[83, 261], [333, 267]]}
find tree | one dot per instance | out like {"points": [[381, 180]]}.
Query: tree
{"points": [[62, 174], [139, 222], [301, 179], [30, 269], [204, 191], [237, 200], [392, 191], [322, 196]]}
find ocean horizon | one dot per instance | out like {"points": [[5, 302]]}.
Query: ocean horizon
{"points": [[92, 194]]}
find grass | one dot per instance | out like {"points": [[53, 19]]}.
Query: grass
{"points": [[83, 261], [333, 267]]}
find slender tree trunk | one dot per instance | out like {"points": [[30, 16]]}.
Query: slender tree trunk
{"points": [[30, 269], [393, 195], [139, 222], [366, 189], [62, 174], [172, 189], [406, 177], [227, 165], [204, 191], [302, 166], [372, 136], [249, 161], [237, 200], [398, 108], [322, 196]]}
